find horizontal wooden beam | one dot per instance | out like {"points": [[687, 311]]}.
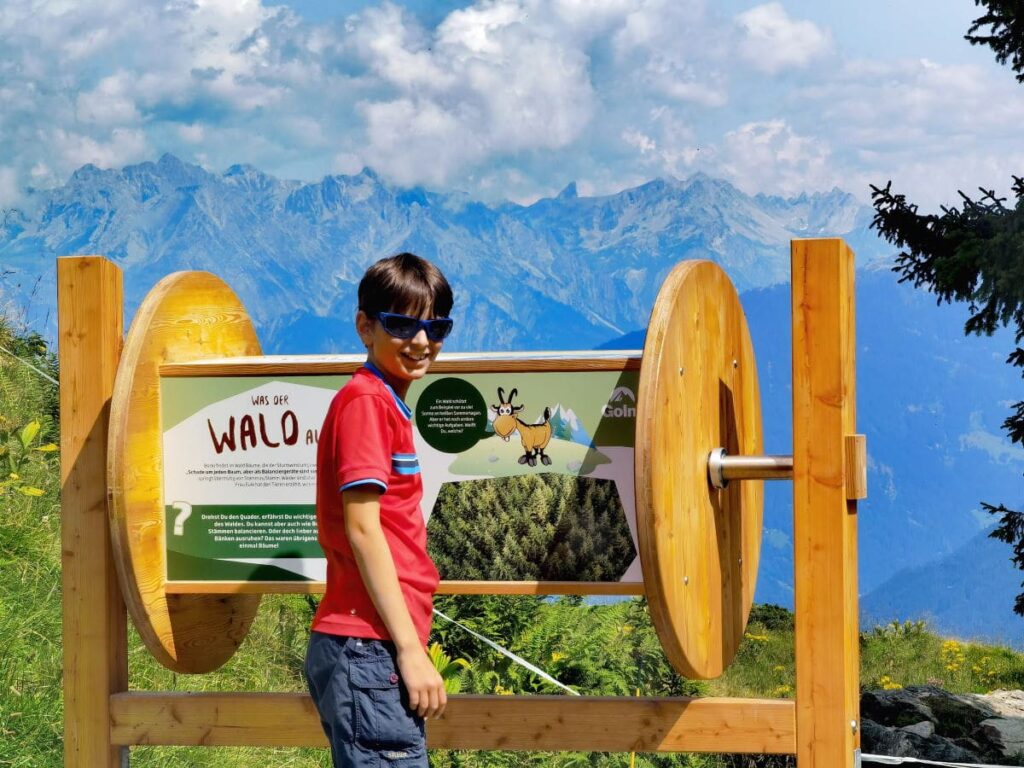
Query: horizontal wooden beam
{"points": [[466, 362], [445, 588], [541, 723]]}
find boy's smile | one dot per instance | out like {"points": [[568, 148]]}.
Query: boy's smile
{"points": [[402, 361]]}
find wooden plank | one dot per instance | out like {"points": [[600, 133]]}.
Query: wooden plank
{"points": [[445, 588], [824, 520], [472, 722], [89, 332], [323, 365], [856, 459]]}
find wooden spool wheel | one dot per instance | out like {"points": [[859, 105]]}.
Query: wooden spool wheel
{"points": [[187, 316], [699, 544]]}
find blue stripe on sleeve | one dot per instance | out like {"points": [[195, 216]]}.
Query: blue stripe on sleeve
{"points": [[367, 481]]}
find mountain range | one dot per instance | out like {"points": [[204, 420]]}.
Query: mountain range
{"points": [[565, 425], [573, 272], [523, 275]]}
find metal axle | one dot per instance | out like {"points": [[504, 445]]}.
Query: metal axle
{"points": [[722, 467]]}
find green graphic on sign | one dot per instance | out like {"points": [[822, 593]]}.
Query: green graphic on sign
{"points": [[198, 536], [451, 415]]}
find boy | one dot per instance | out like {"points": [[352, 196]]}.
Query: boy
{"points": [[366, 666]]}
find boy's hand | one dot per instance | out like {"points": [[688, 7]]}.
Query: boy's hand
{"points": [[427, 696]]}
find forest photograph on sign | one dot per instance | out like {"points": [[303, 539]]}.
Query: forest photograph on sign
{"points": [[527, 476]]}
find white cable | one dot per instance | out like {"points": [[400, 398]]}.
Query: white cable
{"points": [[506, 652], [26, 362], [887, 760]]}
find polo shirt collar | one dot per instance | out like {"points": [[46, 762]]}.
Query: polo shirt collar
{"points": [[399, 403]]}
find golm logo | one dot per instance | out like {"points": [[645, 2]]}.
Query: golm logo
{"points": [[621, 405]]}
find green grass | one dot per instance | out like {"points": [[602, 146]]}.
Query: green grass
{"points": [[894, 655], [603, 649], [30, 616]]}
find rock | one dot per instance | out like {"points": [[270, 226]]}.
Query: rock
{"points": [[924, 729], [932, 724], [895, 708], [899, 742], [1003, 703], [955, 716], [1003, 735]]}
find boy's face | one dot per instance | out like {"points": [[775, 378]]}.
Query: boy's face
{"points": [[402, 361]]}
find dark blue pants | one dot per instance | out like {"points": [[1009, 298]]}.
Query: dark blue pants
{"points": [[363, 706]]}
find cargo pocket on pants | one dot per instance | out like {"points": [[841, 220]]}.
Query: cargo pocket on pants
{"points": [[382, 722]]}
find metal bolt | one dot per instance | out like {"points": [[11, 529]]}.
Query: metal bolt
{"points": [[853, 726], [680, 370], [686, 579], [735, 363], [741, 561]]}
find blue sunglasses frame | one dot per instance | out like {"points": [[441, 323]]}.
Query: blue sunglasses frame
{"points": [[437, 328]]}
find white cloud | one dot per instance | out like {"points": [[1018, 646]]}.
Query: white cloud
{"points": [[109, 103], [193, 133], [983, 518], [667, 144], [772, 41], [776, 539], [124, 145], [116, 82], [41, 174], [769, 156], [677, 50], [9, 191], [931, 128], [640, 140], [501, 98], [491, 80], [346, 163], [997, 446]]}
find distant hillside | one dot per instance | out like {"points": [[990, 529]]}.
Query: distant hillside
{"points": [[566, 272], [968, 594]]}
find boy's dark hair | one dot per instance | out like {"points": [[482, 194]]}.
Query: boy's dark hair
{"points": [[405, 283]]}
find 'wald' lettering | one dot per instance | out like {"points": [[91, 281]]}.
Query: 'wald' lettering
{"points": [[246, 435]]}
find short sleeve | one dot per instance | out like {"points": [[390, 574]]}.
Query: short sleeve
{"points": [[364, 435]]}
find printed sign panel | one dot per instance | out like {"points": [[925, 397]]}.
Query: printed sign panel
{"points": [[526, 475]]}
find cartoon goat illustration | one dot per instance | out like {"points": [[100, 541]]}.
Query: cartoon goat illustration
{"points": [[535, 437]]}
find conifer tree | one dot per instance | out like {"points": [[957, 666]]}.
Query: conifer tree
{"points": [[974, 252]]}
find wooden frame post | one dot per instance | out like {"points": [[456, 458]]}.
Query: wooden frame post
{"points": [[824, 514], [90, 329]]}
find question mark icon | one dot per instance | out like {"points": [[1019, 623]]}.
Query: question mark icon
{"points": [[184, 512]]}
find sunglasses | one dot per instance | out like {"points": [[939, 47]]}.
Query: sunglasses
{"points": [[405, 327]]}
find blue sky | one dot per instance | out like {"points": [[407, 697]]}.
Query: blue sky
{"points": [[513, 99]]}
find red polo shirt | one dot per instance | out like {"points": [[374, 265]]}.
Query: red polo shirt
{"points": [[367, 439]]}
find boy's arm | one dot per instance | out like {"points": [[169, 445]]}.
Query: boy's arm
{"points": [[376, 566]]}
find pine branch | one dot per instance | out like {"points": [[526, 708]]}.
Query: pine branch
{"points": [[1003, 27]]}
